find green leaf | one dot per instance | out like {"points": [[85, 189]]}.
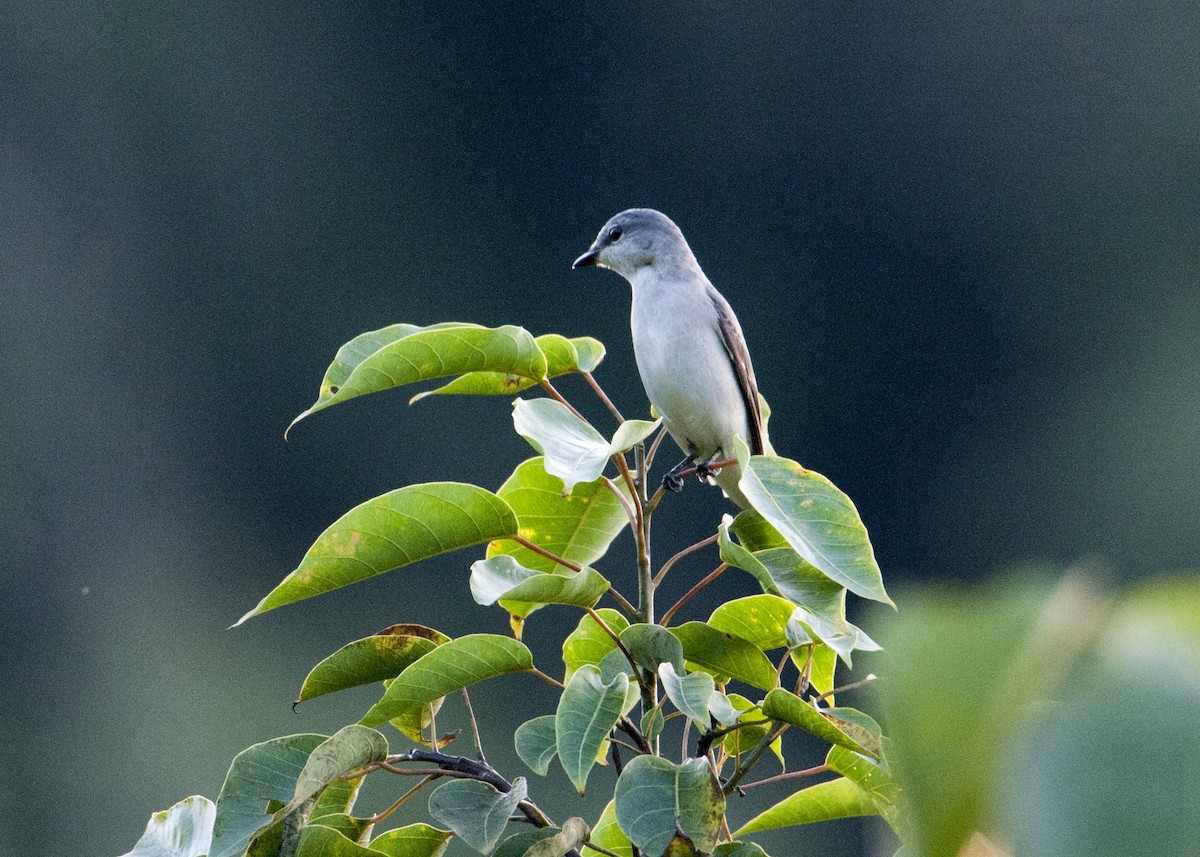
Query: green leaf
{"points": [[753, 727], [258, 775], [689, 693], [589, 643], [651, 645], [654, 798], [824, 667], [574, 589], [403, 354], [839, 798], [391, 531], [632, 432], [818, 521], [579, 527], [563, 356], [739, 849], [725, 654], [349, 748], [721, 708], [184, 830], [413, 840], [789, 708], [320, 840], [474, 810], [608, 834], [758, 619], [589, 351], [587, 711], [381, 656], [448, 668], [653, 722], [574, 833], [870, 776], [336, 798], [536, 743], [805, 627], [519, 844], [357, 830]]}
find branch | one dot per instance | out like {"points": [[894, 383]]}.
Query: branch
{"points": [[587, 376], [791, 775], [717, 572], [662, 572]]}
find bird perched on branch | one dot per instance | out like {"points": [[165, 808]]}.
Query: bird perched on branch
{"points": [[688, 345]]}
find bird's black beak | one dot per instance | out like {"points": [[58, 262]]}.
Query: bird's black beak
{"points": [[588, 258]]}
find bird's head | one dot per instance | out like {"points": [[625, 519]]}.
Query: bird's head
{"points": [[636, 238]]}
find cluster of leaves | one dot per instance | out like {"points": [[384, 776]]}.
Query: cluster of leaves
{"points": [[740, 678]]}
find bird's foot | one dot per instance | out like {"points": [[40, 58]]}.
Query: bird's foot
{"points": [[705, 472], [672, 479]]}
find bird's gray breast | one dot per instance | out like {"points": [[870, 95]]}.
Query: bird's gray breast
{"points": [[685, 367]]}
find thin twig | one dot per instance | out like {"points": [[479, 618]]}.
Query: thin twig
{"points": [[790, 775], [709, 578], [616, 638], [375, 819], [755, 755], [604, 851], [847, 687], [433, 736], [587, 376], [629, 513], [546, 678], [474, 726], [538, 549], [557, 396], [662, 432], [662, 572]]}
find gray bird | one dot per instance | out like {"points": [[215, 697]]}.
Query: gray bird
{"points": [[688, 345]]}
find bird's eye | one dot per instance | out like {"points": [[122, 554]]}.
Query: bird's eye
{"points": [[614, 234]]}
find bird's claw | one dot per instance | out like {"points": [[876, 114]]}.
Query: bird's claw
{"points": [[704, 473], [672, 483]]}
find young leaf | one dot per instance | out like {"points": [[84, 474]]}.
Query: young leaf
{"points": [[587, 711], [391, 531], [349, 748], [184, 830], [573, 450], [581, 589], [518, 844], [725, 654], [536, 743], [689, 693], [336, 798], [589, 643], [651, 645], [450, 667], [474, 810], [839, 798], [413, 840], [574, 833], [578, 527], [753, 727], [789, 708], [632, 432], [818, 521], [739, 849], [655, 798], [491, 578], [381, 656], [422, 354], [259, 774]]}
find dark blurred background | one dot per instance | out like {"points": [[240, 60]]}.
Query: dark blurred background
{"points": [[963, 240]]}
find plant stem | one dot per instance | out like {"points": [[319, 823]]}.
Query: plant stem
{"points": [[790, 775], [662, 572], [474, 726], [717, 572], [587, 376], [755, 755], [547, 678], [538, 549], [375, 819]]}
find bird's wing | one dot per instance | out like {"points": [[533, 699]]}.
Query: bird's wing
{"points": [[739, 356]]}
